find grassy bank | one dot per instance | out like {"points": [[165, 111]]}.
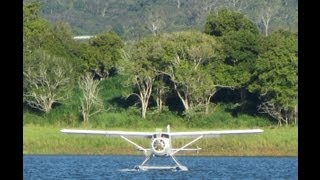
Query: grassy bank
{"points": [[275, 141]]}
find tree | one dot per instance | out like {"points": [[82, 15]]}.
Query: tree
{"points": [[276, 77], [240, 50], [55, 39], [92, 17], [46, 80], [177, 57], [140, 75], [35, 28], [190, 53], [240, 39], [268, 11], [161, 88], [155, 22], [238, 5], [108, 48], [119, 29], [60, 41], [90, 102], [221, 22], [178, 4], [145, 56]]}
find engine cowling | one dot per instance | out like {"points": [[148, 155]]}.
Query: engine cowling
{"points": [[159, 146]]}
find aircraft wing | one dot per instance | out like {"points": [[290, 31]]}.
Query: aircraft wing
{"points": [[213, 133], [108, 133]]}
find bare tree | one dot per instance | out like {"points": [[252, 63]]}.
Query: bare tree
{"points": [[265, 18], [268, 10], [155, 22], [210, 5], [90, 102], [178, 4], [238, 5], [45, 82], [279, 113], [144, 86]]}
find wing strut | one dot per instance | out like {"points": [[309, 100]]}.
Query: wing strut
{"points": [[186, 145], [138, 147]]}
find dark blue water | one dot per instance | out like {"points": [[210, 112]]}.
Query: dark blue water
{"points": [[120, 167]]}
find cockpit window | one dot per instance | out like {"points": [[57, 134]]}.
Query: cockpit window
{"points": [[165, 135]]}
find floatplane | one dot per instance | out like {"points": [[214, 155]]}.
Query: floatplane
{"points": [[161, 143]]}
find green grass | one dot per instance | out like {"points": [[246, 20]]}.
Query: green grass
{"points": [[275, 141], [42, 136]]}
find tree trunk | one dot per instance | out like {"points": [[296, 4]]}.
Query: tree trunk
{"points": [[266, 21], [184, 99], [85, 117], [144, 101], [179, 4], [207, 108], [103, 12], [295, 114], [185, 102], [145, 89], [144, 110], [208, 103], [286, 118], [48, 106], [243, 94], [266, 29], [159, 99]]}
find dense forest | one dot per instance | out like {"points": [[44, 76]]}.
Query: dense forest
{"points": [[133, 19], [213, 60]]}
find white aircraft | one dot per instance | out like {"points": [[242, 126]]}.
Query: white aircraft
{"points": [[161, 142]]}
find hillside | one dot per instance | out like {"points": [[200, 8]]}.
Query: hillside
{"points": [[132, 19]]}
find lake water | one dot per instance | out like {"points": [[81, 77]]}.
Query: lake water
{"points": [[120, 167]]}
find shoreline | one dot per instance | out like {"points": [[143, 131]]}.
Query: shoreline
{"points": [[282, 141], [143, 155]]}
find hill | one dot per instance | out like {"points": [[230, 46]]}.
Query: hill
{"points": [[132, 19]]}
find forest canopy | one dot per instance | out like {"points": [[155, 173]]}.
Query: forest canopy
{"points": [[138, 18], [213, 53]]}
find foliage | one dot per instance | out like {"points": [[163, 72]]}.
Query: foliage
{"points": [[175, 71], [193, 58], [276, 76], [221, 22], [142, 76], [90, 102], [55, 39], [89, 17], [108, 48], [46, 80], [35, 28], [240, 50]]}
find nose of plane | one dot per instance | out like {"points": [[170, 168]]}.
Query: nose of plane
{"points": [[159, 146]]}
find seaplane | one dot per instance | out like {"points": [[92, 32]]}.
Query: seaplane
{"points": [[161, 143]]}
